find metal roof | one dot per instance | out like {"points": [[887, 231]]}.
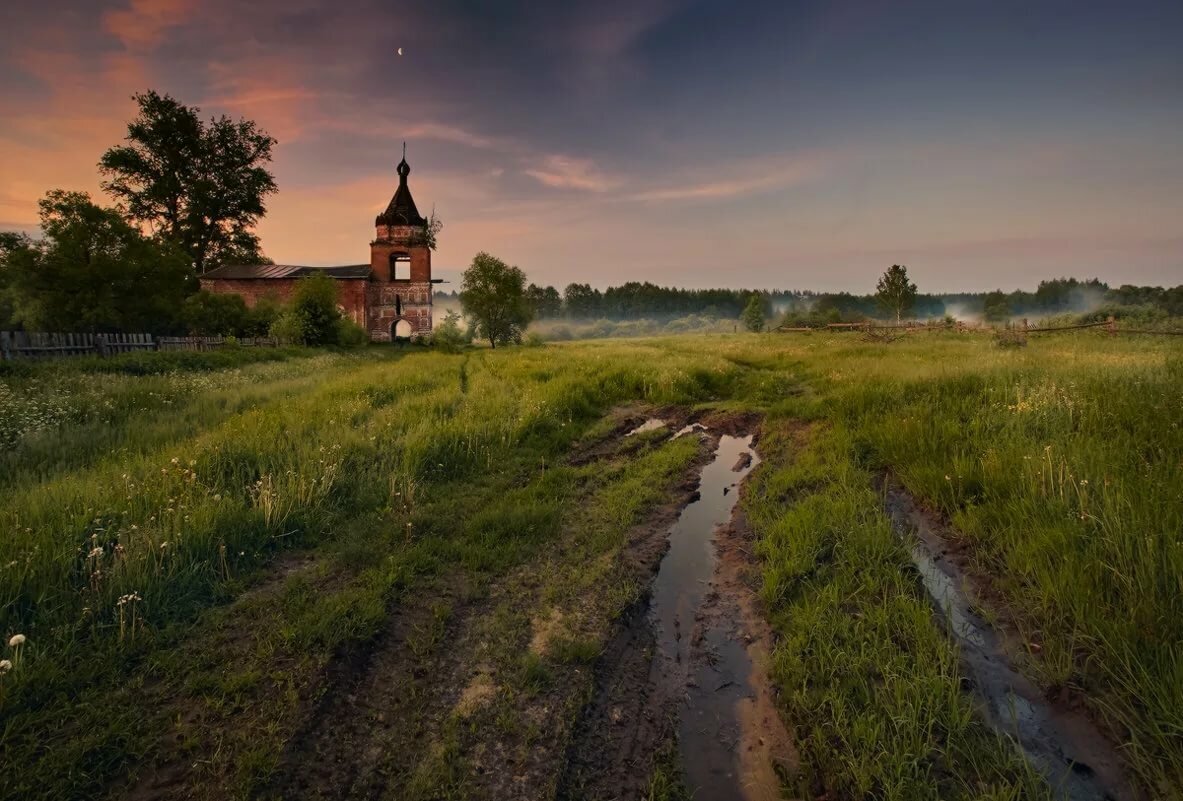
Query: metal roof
{"points": [[264, 271], [401, 210]]}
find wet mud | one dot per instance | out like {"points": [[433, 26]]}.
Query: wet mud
{"points": [[1061, 742], [689, 663]]}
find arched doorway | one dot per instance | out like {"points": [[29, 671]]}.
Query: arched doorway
{"points": [[400, 329]]}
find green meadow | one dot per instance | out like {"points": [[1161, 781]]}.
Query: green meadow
{"points": [[193, 548]]}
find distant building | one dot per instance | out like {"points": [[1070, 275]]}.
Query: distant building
{"points": [[390, 297]]}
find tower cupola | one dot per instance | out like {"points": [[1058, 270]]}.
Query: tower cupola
{"points": [[401, 210]]}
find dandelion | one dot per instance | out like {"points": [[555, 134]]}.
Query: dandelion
{"points": [[5, 666]]}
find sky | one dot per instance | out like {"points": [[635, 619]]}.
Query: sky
{"points": [[773, 145]]}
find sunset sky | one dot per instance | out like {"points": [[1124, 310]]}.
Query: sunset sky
{"points": [[758, 144]]}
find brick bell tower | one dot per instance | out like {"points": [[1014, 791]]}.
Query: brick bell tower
{"points": [[400, 268]]}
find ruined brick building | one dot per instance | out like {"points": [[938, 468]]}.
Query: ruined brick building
{"points": [[390, 297]]}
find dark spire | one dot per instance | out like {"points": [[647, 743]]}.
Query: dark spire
{"points": [[401, 210]]}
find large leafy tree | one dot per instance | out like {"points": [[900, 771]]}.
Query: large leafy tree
{"points": [[201, 185], [894, 292], [493, 295], [92, 272]]}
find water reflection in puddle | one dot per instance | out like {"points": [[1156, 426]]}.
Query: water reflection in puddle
{"points": [[652, 424], [709, 724]]}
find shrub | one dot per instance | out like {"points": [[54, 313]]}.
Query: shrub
{"points": [[313, 318], [315, 302], [288, 327], [350, 334], [261, 316], [214, 314], [448, 335]]}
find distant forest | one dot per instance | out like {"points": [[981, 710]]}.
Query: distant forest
{"points": [[636, 300]]}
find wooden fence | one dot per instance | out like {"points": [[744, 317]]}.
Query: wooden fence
{"points": [[35, 345]]}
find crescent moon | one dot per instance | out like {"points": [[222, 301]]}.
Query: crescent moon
{"points": [[400, 51]]}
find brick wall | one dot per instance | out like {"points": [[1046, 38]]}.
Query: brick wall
{"points": [[351, 292], [399, 300]]}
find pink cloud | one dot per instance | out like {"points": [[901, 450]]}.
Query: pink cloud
{"points": [[142, 25], [450, 133], [565, 172], [745, 178]]}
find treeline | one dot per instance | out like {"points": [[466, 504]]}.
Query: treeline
{"points": [[638, 300], [1054, 297], [643, 300]]}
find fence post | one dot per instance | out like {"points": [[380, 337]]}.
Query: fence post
{"points": [[1111, 325], [100, 344], [5, 346]]}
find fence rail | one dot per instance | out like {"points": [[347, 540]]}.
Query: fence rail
{"points": [[37, 345]]}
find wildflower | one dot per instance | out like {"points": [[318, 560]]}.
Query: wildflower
{"points": [[947, 478], [163, 545], [16, 640], [176, 460], [5, 666]]}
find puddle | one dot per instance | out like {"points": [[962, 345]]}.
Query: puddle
{"points": [[690, 429], [1061, 743], [716, 681], [652, 424]]}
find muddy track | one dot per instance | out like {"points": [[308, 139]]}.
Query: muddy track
{"points": [[1060, 740], [688, 664], [630, 716], [734, 642]]}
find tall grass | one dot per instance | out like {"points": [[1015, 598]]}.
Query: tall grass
{"points": [[160, 531], [133, 502]]}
